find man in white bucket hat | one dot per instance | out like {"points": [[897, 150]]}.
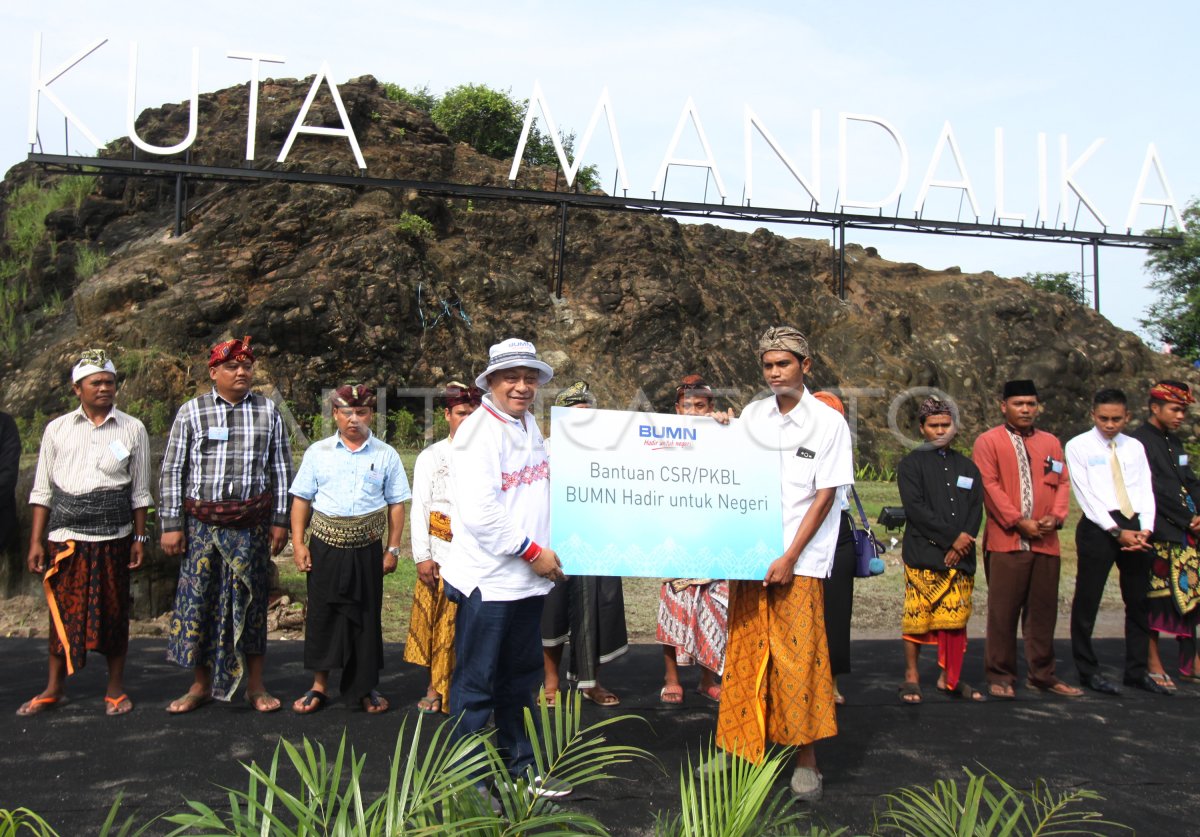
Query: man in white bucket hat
{"points": [[500, 568]]}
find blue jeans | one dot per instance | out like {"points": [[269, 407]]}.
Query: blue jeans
{"points": [[498, 662]]}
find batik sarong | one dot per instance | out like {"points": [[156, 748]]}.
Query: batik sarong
{"points": [[87, 590], [778, 686], [220, 611], [937, 605], [1174, 596], [345, 603], [695, 619], [590, 611], [430, 640]]}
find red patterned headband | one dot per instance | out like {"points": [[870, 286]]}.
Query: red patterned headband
{"points": [[1172, 393], [231, 350]]}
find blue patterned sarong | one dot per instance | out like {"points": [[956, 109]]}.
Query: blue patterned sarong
{"points": [[220, 611]]}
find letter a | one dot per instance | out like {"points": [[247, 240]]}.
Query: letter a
{"points": [[298, 127], [1139, 195]]}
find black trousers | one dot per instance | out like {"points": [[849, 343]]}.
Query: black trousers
{"points": [[839, 599], [1097, 552]]}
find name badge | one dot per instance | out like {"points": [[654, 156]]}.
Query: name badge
{"points": [[1183, 460], [374, 477], [1097, 460], [805, 453], [220, 434], [1056, 466], [966, 482], [118, 451]]}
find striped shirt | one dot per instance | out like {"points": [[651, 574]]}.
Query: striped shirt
{"points": [[219, 450], [80, 457]]}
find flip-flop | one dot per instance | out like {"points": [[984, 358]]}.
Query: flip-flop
{"points": [[907, 691], [712, 692], [550, 698], [255, 700], [188, 703], [600, 697], [311, 701], [39, 704], [671, 695], [119, 705], [1058, 687], [430, 705], [374, 703], [964, 691], [1001, 691], [1163, 679]]}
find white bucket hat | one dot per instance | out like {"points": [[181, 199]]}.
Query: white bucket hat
{"points": [[510, 354]]}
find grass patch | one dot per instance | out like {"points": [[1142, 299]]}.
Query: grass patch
{"points": [[89, 262]]}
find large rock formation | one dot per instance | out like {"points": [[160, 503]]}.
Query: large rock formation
{"points": [[332, 285]]}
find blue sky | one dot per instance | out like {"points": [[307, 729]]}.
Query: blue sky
{"points": [[1087, 71]]}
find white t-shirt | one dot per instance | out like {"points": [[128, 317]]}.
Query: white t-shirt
{"points": [[815, 452]]}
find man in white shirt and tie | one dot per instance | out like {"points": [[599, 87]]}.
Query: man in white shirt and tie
{"points": [[1111, 480]]}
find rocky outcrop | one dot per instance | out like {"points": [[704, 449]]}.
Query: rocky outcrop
{"points": [[332, 286]]}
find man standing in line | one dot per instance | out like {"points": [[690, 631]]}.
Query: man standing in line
{"points": [[10, 468], [1026, 490], [778, 684], [430, 640], [1174, 597], [224, 506], [89, 499], [499, 570], [942, 494], [1111, 480], [349, 490]]}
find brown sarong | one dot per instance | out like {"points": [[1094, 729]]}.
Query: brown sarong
{"points": [[87, 590], [778, 685]]}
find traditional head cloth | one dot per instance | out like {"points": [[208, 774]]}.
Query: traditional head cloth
{"points": [[933, 407], [457, 393], [831, 400], [1012, 389], [90, 362], [510, 354], [576, 393], [231, 350], [695, 386], [783, 339], [354, 395], [1173, 392]]}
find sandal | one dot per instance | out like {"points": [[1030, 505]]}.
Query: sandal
{"points": [[311, 701], [549, 699], [964, 691], [712, 692], [39, 704], [190, 702], [117, 705], [1001, 691], [910, 693], [1058, 687], [1163, 679], [430, 705], [263, 702], [600, 696], [671, 695], [374, 703]]}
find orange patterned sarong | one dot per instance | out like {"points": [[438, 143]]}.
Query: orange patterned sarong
{"points": [[778, 685], [431, 636]]}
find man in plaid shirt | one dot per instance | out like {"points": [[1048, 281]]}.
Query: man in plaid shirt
{"points": [[224, 507]]}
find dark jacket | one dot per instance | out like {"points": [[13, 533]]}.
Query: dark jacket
{"points": [[1174, 481], [937, 506], [10, 463]]}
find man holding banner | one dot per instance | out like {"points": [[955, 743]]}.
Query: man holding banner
{"points": [[778, 684]]}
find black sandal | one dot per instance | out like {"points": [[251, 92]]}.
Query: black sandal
{"points": [[374, 703], [908, 690], [965, 691], [308, 699]]}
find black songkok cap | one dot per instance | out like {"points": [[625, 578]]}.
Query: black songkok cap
{"points": [[1013, 389]]}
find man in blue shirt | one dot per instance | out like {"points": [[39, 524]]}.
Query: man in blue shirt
{"points": [[350, 488]]}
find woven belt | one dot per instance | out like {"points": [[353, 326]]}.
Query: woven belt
{"points": [[439, 526], [349, 532]]}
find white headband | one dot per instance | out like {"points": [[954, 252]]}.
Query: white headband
{"points": [[83, 369]]}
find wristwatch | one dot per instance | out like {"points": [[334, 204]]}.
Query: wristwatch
{"points": [[394, 551]]}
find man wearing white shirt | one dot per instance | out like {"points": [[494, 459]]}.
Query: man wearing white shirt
{"points": [[778, 683], [499, 569], [1111, 480]]}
